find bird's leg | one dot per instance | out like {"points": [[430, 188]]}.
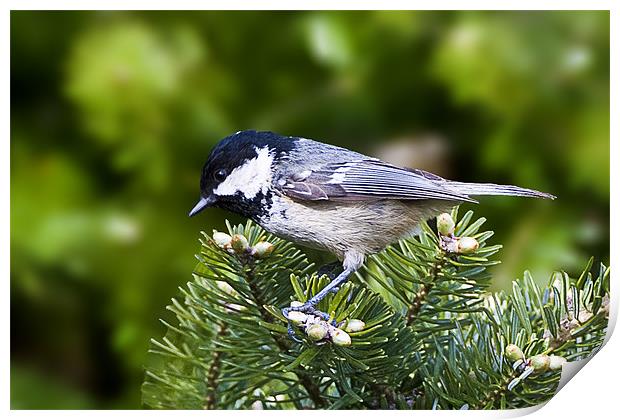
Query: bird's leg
{"points": [[335, 284], [331, 270], [308, 307]]}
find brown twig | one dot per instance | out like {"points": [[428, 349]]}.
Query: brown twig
{"points": [[213, 374], [420, 297]]}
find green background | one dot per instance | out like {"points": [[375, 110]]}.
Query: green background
{"points": [[114, 113]]}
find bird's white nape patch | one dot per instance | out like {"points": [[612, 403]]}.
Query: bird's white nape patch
{"points": [[252, 177]]}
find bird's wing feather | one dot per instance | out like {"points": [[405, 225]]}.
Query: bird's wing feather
{"points": [[368, 179]]}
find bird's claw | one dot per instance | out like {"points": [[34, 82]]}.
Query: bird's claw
{"points": [[291, 333]]}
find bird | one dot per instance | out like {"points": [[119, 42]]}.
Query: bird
{"points": [[327, 197]]}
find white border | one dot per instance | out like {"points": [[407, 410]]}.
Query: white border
{"points": [[591, 394]]}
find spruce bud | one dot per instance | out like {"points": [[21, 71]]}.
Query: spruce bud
{"points": [[221, 239], [513, 353], [340, 338], [445, 224], [239, 243], [467, 245], [262, 249], [354, 325], [556, 362], [297, 317], [316, 331], [540, 362]]}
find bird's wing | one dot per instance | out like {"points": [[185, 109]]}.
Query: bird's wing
{"points": [[367, 179]]}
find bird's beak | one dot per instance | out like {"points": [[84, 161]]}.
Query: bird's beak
{"points": [[202, 204]]}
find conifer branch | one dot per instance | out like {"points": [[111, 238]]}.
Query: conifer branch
{"points": [[418, 331], [284, 343]]}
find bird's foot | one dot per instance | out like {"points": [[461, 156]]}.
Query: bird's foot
{"points": [[311, 313], [305, 313]]}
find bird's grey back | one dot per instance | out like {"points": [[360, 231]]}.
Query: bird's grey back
{"points": [[311, 155]]}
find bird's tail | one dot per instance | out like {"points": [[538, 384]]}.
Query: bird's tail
{"points": [[495, 189]]}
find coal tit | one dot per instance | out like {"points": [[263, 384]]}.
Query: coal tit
{"points": [[328, 197]]}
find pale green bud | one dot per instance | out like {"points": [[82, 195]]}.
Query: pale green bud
{"points": [[239, 243], [221, 239], [513, 353], [467, 245], [340, 338], [556, 362], [262, 249], [316, 331], [354, 325], [445, 224], [297, 317], [296, 303], [540, 362]]}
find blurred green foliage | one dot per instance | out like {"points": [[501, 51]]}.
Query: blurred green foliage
{"points": [[113, 114]]}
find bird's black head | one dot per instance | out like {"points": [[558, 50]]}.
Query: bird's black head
{"points": [[237, 175]]}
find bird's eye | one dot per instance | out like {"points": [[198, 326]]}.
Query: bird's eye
{"points": [[220, 175]]}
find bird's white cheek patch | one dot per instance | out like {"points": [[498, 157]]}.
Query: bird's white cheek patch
{"points": [[252, 177]]}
